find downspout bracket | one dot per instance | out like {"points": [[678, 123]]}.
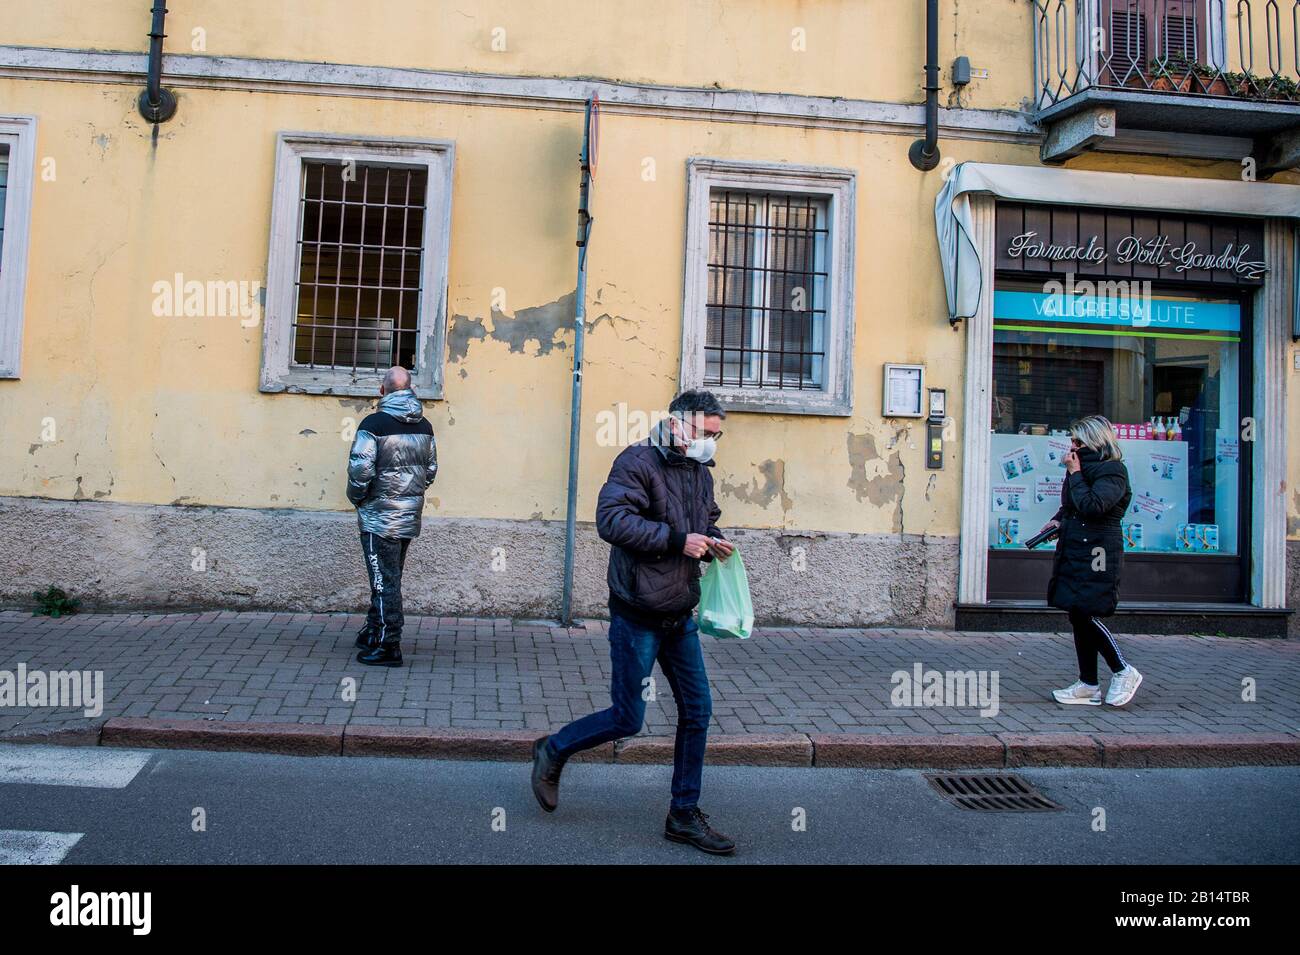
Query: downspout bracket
{"points": [[920, 158], [160, 112]]}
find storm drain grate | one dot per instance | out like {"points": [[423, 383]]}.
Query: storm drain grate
{"points": [[990, 792]]}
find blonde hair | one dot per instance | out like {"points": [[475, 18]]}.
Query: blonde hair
{"points": [[1096, 432]]}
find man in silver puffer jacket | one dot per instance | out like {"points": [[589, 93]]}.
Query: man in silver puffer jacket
{"points": [[392, 463]]}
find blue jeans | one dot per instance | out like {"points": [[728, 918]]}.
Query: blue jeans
{"points": [[633, 649]]}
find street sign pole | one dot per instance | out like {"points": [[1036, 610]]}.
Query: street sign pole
{"points": [[590, 145]]}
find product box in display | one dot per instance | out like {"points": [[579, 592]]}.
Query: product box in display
{"points": [[1207, 537], [1132, 535], [1008, 531]]}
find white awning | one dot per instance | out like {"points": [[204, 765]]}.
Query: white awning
{"points": [[960, 259]]}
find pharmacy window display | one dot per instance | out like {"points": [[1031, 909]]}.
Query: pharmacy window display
{"points": [[1172, 395], [1168, 363], [1173, 392]]}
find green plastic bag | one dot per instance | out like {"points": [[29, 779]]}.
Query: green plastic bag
{"points": [[725, 608]]}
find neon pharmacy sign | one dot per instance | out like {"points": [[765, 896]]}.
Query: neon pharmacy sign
{"points": [[1137, 311], [1158, 252]]}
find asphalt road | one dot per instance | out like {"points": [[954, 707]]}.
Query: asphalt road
{"points": [[96, 805]]}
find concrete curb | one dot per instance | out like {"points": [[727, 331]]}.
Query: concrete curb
{"points": [[1051, 749], [292, 739], [1151, 751], [907, 752], [842, 750], [757, 749], [448, 743], [87, 735]]}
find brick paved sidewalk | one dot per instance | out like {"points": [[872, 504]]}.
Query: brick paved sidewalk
{"points": [[515, 675]]}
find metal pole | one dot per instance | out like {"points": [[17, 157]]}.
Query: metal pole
{"points": [[579, 336]]}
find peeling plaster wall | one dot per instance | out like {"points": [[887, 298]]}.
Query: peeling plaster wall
{"points": [[134, 557], [165, 410]]}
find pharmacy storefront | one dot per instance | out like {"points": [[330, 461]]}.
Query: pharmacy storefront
{"points": [[1165, 321]]}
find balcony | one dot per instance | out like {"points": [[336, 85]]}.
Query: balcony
{"points": [[1213, 79]]}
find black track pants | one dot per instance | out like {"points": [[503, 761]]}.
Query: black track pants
{"points": [[385, 558], [1090, 638]]}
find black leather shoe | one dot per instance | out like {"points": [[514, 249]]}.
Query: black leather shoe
{"points": [[381, 655], [689, 826], [365, 638], [546, 776]]}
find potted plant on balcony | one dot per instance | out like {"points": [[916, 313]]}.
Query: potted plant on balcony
{"points": [[1173, 74], [1179, 74]]}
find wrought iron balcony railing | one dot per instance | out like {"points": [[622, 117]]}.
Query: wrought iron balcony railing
{"points": [[1235, 49]]}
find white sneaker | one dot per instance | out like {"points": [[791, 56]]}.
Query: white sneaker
{"points": [[1079, 692], [1123, 685]]}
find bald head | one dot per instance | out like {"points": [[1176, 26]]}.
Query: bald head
{"points": [[396, 378]]}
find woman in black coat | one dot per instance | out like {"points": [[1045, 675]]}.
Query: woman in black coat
{"points": [[1089, 552]]}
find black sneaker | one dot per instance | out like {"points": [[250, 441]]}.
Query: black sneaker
{"points": [[546, 776], [382, 655], [365, 638], [689, 826]]}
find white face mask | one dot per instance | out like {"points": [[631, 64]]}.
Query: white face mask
{"points": [[702, 449]]}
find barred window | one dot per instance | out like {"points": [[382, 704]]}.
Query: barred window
{"points": [[357, 271], [360, 239], [768, 301], [767, 291]]}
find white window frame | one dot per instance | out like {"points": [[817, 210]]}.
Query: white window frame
{"points": [[18, 133], [837, 187], [279, 372], [1216, 35]]}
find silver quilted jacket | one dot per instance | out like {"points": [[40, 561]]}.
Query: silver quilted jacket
{"points": [[393, 462]]}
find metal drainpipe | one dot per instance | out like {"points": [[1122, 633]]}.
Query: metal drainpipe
{"points": [[924, 153], [156, 104]]}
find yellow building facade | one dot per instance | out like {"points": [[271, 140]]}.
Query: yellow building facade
{"points": [[177, 418]]}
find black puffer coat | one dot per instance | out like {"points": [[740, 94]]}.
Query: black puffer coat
{"points": [[1093, 500], [653, 498]]}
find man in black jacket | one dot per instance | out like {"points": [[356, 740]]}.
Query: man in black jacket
{"points": [[658, 514]]}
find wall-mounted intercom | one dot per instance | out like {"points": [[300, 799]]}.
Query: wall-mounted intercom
{"points": [[934, 428]]}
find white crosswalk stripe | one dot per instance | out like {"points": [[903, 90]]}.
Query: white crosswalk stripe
{"points": [[88, 766], [35, 848]]}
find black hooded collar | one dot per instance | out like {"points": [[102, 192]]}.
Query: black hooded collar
{"points": [[1090, 461]]}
